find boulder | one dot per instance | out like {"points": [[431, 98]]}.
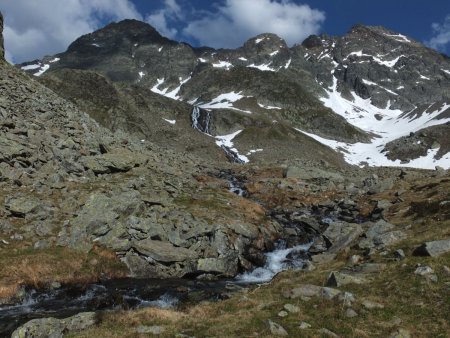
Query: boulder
{"points": [[52, 327], [338, 279], [120, 160], [226, 266], [433, 249], [163, 251], [276, 329], [308, 290], [341, 234], [21, 206]]}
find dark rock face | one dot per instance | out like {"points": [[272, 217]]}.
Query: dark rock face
{"points": [[2, 50]]}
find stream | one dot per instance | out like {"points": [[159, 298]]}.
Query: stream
{"points": [[131, 293]]}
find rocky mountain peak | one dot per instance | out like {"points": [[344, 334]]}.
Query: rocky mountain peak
{"points": [[265, 43], [2, 51], [125, 34]]}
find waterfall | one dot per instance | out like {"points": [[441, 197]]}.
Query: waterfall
{"points": [[201, 120]]}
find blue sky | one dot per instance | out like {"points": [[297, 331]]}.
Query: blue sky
{"points": [[37, 28]]}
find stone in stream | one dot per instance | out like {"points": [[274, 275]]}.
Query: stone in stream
{"points": [[55, 328], [433, 249], [276, 329]]}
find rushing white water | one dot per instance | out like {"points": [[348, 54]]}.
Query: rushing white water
{"points": [[276, 261]]}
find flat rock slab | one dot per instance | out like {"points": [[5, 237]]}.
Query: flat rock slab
{"points": [[433, 249], [21, 206], [163, 251], [52, 327], [308, 290], [338, 279]]}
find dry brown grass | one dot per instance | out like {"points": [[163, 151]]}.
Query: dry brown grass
{"points": [[38, 268]]}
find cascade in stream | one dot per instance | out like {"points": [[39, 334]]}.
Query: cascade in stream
{"points": [[201, 120], [280, 259]]}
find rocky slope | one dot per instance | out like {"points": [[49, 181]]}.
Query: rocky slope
{"points": [[124, 191], [68, 182], [350, 93]]}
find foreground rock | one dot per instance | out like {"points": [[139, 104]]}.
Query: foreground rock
{"points": [[433, 249], [55, 328]]}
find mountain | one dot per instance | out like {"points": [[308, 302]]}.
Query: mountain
{"points": [[364, 94], [122, 186]]}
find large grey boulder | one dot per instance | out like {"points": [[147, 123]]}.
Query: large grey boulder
{"points": [[163, 251], [120, 160], [55, 328], [226, 266], [340, 235], [22, 206], [433, 249]]}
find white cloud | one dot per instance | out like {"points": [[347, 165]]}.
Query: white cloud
{"points": [[441, 36], [160, 19], [237, 20], [37, 28]]}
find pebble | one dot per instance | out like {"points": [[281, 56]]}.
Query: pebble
{"points": [[350, 313], [291, 308], [304, 325]]}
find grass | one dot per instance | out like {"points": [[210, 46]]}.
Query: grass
{"points": [[39, 268]]}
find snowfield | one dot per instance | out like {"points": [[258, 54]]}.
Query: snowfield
{"points": [[388, 124]]}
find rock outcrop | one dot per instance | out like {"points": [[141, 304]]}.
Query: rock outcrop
{"points": [[2, 48]]}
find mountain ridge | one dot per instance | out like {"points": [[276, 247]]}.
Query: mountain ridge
{"points": [[381, 73]]}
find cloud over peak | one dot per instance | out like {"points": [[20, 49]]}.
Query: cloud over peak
{"points": [[37, 28], [237, 20], [441, 36]]}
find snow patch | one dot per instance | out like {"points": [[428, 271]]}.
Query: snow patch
{"points": [[202, 60], [172, 94], [223, 64], [264, 67], [446, 71], [259, 40], [398, 37], [224, 101], [268, 107], [252, 151], [170, 121], [141, 75], [274, 53], [370, 83], [95, 45], [243, 59], [227, 141], [286, 66], [43, 69], [31, 67]]}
